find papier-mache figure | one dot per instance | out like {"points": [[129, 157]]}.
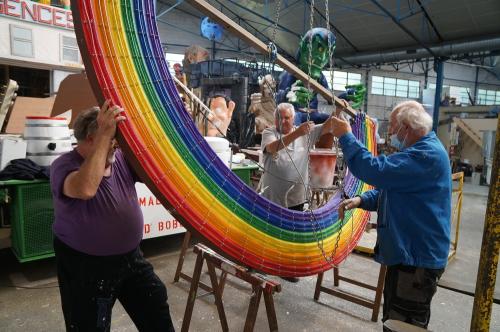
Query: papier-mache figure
{"points": [[262, 104], [220, 117], [193, 54], [354, 94], [294, 91]]}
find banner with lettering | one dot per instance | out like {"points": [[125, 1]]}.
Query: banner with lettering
{"points": [[157, 220], [30, 11]]}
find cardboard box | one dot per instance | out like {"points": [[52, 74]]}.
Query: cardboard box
{"points": [[11, 147]]}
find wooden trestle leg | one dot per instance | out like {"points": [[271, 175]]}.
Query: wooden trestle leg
{"points": [[178, 272], [371, 304], [261, 285]]}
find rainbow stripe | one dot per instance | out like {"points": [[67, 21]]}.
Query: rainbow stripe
{"points": [[121, 48]]}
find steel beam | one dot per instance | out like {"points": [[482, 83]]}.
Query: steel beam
{"points": [[431, 23], [169, 9], [438, 67], [262, 17], [402, 27], [257, 31], [476, 83], [237, 30], [334, 28], [187, 31]]}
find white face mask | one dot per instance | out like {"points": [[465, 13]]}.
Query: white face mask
{"points": [[395, 142]]}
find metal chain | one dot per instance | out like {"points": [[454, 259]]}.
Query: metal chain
{"points": [[337, 148], [330, 50], [319, 240], [307, 188], [328, 258], [271, 47], [276, 20]]}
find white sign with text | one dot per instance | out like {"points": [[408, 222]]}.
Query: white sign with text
{"points": [[157, 220]]}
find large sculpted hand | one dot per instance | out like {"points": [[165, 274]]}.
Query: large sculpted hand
{"points": [[220, 117], [356, 93], [298, 94]]}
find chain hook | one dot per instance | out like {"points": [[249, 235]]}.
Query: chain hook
{"points": [[273, 52]]}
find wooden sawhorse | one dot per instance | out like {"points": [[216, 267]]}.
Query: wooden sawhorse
{"points": [[371, 304], [260, 285], [178, 272]]}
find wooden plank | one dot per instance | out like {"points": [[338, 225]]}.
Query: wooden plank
{"points": [[182, 255], [271, 312], [227, 266], [218, 296], [357, 283], [253, 308], [188, 313], [317, 289], [348, 297], [237, 30], [379, 292], [7, 100], [471, 133]]}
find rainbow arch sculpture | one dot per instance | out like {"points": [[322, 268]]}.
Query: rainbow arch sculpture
{"points": [[120, 45]]}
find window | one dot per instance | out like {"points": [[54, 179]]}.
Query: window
{"points": [[389, 86], [174, 58], [413, 89], [460, 93], [341, 79], [21, 41], [70, 50], [401, 88], [488, 97], [377, 85]]}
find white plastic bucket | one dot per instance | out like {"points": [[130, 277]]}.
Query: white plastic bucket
{"points": [[47, 138], [221, 147], [322, 166]]}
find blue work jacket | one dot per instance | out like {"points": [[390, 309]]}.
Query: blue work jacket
{"points": [[412, 199]]}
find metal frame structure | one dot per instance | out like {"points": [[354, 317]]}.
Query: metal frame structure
{"points": [[457, 195]]}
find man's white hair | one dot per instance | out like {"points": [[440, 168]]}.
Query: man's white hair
{"points": [[282, 107], [413, 114]]}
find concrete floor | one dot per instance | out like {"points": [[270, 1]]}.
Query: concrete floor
{"points": [[29, 298]]}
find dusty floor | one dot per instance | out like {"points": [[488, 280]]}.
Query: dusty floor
{"points": [[29, 298]]}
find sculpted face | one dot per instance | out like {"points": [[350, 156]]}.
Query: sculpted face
{"points": [[267, 85], [318, 39]]}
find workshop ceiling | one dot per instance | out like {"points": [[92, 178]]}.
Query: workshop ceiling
{"points": [[364, 26]]}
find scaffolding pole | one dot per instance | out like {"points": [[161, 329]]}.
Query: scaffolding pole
{"points": [[488, 262]]}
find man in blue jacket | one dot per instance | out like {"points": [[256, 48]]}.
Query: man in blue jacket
{"points": [[413, 202]]}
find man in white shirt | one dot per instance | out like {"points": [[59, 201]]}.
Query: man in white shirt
{"points": [[284, 148]]}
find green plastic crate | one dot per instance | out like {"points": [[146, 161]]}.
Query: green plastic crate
{"points": [[32, 216]]}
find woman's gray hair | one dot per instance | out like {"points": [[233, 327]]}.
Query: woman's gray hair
{"points": [[282, 107], [413, 114], [85, 124]]}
